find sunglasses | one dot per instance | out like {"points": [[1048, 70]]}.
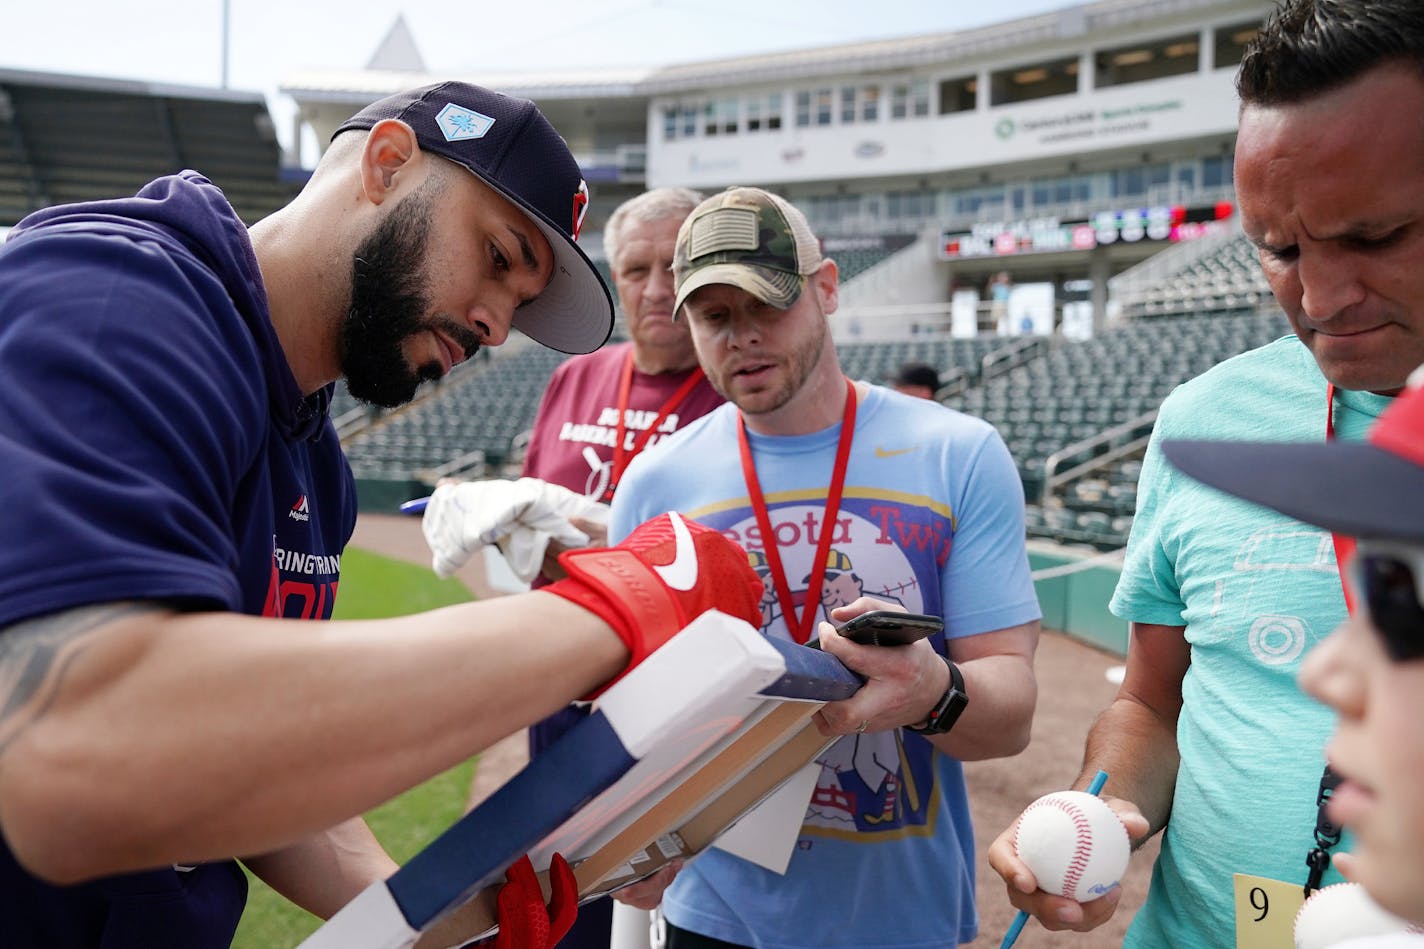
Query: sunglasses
{"points": [[1391, 577]]}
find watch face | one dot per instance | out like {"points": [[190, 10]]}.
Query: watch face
{"points": [[956, 705], [946, 712]]}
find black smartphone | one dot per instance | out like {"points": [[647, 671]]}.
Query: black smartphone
{"points": [[887, 628]]}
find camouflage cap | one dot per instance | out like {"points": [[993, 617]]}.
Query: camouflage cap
{"points": [[747, 238]]}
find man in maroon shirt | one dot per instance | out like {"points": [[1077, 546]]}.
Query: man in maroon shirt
{"points": [[601, 409]]}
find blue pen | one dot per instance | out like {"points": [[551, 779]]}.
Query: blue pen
{"points": [[1017, 925], [414, 506]]}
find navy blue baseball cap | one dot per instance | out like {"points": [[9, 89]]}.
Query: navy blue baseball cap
{"points": [[509, 145]]}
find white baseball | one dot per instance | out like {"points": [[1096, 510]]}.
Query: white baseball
{"points": [[1343, 911], [1075, 845]]}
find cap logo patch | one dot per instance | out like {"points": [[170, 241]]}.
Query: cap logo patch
{"points": [[580, 206], [723, 229], [459, 124]]}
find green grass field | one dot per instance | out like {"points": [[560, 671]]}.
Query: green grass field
{"points": [[373, 586]]}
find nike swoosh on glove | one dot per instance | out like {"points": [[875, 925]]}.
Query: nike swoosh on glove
{"points": [[520, 516], [664, 575]]}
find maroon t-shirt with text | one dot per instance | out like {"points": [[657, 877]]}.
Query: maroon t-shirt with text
{"points": [[577, 424]]}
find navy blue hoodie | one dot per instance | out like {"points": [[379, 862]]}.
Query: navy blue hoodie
{"points": [[153, 445]]}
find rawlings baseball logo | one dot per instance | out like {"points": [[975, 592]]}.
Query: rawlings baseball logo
{"points": [[580, 206], [1074, 844]]}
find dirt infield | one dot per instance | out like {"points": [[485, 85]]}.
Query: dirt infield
{"points": [[1073, 688]]}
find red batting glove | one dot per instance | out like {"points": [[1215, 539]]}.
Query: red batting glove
{"points": [[664, 575], [524, 921]]}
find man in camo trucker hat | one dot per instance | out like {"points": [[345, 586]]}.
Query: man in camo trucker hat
{"points": [[747, 238], [926, 503]]}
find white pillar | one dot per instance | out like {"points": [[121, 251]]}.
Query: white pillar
{"points": [[631, 928]]}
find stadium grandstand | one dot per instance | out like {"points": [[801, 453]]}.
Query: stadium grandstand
{"points": [[1085, 153], [69, 138]]}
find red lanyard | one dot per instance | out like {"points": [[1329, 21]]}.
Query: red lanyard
{"points": [[800, 625], [1344, 546], [622, 457]]}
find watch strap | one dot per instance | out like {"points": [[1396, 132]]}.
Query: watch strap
{"points": [[948, 709]]}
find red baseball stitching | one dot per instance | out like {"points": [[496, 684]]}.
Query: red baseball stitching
{"points": [[1082, 846]]}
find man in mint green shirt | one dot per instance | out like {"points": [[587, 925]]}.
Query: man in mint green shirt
{"points": [[1224, 599], [1246, 592]]}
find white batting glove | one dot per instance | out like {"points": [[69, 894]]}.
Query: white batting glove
{"points": [[521, 517]]}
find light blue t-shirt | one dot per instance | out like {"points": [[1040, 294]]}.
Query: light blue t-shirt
{"points": [[1255, 591], [931, 517]]}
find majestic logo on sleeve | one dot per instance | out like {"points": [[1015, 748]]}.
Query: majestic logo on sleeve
{"points": [[300, 511]]}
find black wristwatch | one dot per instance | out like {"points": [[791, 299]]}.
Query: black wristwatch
{"points": [[948, 709]]}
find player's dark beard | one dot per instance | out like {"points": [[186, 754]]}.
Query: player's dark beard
{"points": [[389, 305]]}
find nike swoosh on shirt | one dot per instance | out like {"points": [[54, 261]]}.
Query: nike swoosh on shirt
{"points": [[892, 452], [681, 574]]}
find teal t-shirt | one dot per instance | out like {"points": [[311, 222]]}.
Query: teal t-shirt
{"points": [[1255, 591]]}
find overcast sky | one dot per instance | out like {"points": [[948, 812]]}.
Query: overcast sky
{"points": [[181, 42], [270, 40]]}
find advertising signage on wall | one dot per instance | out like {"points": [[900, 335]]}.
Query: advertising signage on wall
{"points": [[1050, 235], [1079, 125]]}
